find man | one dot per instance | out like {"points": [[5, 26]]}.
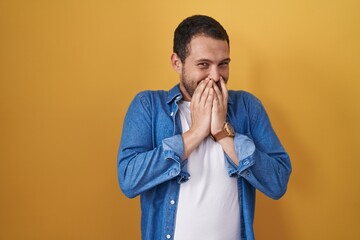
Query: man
{"points": [[196, 154]]}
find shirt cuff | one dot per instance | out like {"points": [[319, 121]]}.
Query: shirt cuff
{"points": [[244, 148], [174, 149]]}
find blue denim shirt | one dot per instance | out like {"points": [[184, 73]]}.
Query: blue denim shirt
{"points": [[151, 151]]}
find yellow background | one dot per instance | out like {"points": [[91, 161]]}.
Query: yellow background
{"points": [[69, 69]]}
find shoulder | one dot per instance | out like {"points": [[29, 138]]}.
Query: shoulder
{"points": [[243, 97], [151, 94], [148, 97], [246, 103], [159, 96]]}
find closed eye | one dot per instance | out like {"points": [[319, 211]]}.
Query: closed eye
{"points": [[203, 65], [224, 64]]}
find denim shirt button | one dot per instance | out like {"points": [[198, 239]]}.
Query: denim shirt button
{"points": [[172, 202], [173, 172], [168, 236], [246, 162], [172, 113]]}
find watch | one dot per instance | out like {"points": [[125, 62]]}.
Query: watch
{"points": [[227, 131]]}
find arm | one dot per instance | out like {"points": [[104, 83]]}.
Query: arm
{"points": [[142, 166], [263, 161], [200, 108], [219, 112]]}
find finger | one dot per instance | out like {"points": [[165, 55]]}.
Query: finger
{"points": [[224, 89], [210, 98], [207, 90], [198, 91], [218, 92]]}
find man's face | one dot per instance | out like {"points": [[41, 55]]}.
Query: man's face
{"points": [[208, 57]]}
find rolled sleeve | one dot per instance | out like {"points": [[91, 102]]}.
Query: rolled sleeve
{"points": [[244, 148], [174, 150]]}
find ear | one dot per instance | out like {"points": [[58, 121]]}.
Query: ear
{"points": [[176, 63]]}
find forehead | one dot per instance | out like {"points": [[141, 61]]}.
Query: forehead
{"points": [[203, 47]]}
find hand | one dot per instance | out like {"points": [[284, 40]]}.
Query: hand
{"points": [[201, 107], [219, 109]]}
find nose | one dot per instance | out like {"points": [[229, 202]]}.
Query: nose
{"points": [[214, 74]]}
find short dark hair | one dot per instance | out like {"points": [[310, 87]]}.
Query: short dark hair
{"points": [[194, 26]]}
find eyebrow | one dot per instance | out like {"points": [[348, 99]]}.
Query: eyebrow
{"points": [[208, 60]]}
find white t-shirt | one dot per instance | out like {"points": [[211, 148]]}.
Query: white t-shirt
{"points": [[208, 206]]}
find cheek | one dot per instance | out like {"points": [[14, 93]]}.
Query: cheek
{"points": [[225, 74], [225, 71], [200, 76], [196, 75]]}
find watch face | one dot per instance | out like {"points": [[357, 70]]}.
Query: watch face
{"points": [[229, 129]]}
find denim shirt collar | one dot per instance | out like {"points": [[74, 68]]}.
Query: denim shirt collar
{"points": [[174, 93]]}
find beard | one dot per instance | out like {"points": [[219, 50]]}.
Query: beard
{"points": [[188, 84], [189, 87]]}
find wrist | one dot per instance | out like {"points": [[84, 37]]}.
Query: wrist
{"points": [[197, 134], [218, 129], [192, 140], [226, 131]]}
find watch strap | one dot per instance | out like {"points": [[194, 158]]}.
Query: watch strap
{"points": [[227, 131], [220, 135]]}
